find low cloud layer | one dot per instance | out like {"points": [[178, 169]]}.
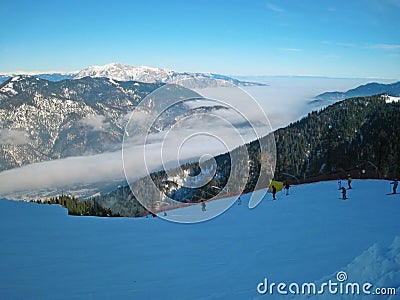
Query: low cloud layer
{"points": [[13, 137], [95, 122], [163, 150]]}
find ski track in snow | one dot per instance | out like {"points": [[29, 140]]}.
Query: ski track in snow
{"points": [[307, 236]]}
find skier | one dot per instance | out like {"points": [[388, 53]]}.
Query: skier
{"points": [[287, 187], [203, 205], [339, 184], [395, 185], [239, 201], [273, 192], [349, 182], [344, 196]]}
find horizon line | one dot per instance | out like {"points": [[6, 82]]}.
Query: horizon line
{"points": [[33, 73], [22, 72]]}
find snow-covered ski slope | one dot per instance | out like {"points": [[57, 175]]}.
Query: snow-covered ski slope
{"points": [[307, 236]]}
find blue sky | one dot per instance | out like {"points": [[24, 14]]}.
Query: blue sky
{"points": [[288, 37]]}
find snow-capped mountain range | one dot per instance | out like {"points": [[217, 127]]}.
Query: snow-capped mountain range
{"points": [[144, 74], [122, 72], [44, 120]]}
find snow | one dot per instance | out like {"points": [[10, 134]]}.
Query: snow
{"points": [[379, 264], [113, 81], [391, 99], [307, 236], [146, 74], [9, 88], [122, 72], [16, 78]]}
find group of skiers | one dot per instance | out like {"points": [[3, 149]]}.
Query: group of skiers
{"points": [[344, 192], [273, 189], [286, 186], [343, 189]]}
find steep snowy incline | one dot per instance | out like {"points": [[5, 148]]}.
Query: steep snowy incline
{"points": [[308, 235]]}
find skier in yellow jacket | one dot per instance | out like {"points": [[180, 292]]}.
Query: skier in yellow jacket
{"points": [[349, 182]]}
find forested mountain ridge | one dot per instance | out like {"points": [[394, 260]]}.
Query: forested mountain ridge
{"points": [[350, 133], [369, 89]]}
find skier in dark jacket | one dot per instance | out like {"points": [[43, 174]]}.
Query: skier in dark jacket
{"points": [[395, 185], [287, 187], [273, 192], [203, 205], [344, 196]]}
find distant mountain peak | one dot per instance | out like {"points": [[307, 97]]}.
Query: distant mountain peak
{"points": [[369, 89], [121, 72]]}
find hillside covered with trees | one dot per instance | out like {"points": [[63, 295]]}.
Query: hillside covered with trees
{"points": [[358, 133], [80, 208]]}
